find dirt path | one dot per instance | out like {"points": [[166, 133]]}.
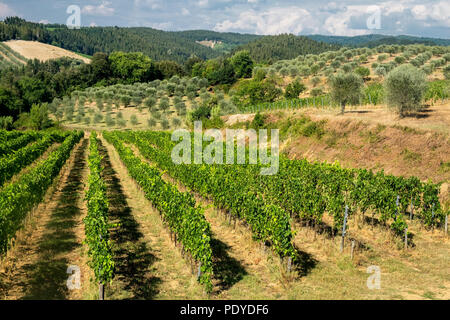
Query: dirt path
{"points": [[36, 268], [149, 266], [28, 168]]}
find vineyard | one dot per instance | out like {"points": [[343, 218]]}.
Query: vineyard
{"points": [[307, 206], [143, 164]]}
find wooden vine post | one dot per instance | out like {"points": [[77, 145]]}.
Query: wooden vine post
{"points": [[101, 291], [344, 228], [397, 202], [353, 249], [432, 218], [289, 264], [446, 225], [406, 238], [199, 271]]}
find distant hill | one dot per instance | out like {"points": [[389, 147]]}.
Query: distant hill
{"points": [[269, 49], [373, 40], [157, 44]]}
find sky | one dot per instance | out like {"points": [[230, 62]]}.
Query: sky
{"points": [[342, 18]]}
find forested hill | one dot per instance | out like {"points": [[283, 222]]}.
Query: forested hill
{"points": [[373, 40], [158, 45], [269, 49]]}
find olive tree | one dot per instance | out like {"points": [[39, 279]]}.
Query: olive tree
{"points": [[346, 88], [405, 87]]}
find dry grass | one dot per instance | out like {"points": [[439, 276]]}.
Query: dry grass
{"points": [[41, 51], [35, 268]]}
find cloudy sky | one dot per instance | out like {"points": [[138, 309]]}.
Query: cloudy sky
{"points": [[421, 18]]}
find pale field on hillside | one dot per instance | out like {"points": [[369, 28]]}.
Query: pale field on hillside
{"points": [[42, 51]]}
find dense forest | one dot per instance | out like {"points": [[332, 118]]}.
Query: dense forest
{"points": [[158, 45], [269, 49], [374, 40], [161, 45]]}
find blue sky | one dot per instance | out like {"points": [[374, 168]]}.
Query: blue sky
{"points": [[349, 18]]}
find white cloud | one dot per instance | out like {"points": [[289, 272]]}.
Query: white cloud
{"points": [[151, 4], [339, 23], [103, 9], [6, 11], [203, 3], [185, 12], [439, 12], [270, 22]]}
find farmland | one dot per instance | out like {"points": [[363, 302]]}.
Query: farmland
{"points": [[144, 198], [93, 204]]}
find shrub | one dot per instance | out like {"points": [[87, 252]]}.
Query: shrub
{"points": [[165, 124], [157, 115], [400, 60], [150, 102], [87, 120], [405, 87], [39, 116], [315, 81], [6, 123], [176, 122], [447, 72], [201, 113], [316, 92], [362, 71], [134, 120], [294, 89], [110, 121], [259, 74], [98, 117], [164, 104], [258, 121], [381, 71], [382, 57], [151, 122], [121, 123]]}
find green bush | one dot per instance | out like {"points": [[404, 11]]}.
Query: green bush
{"points": [[134, 120], [6, 123], [258, 121], [362, 71], [294, 89]]}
